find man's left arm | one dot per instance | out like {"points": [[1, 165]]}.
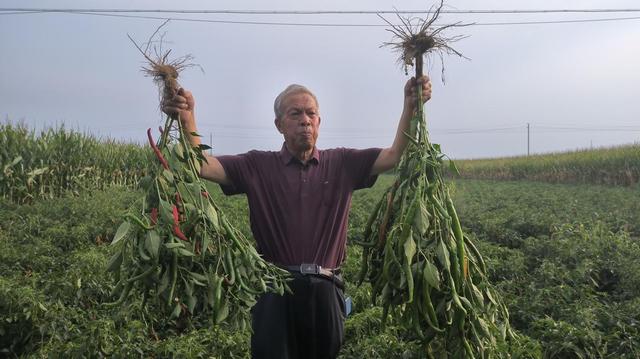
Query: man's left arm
{"points": [[389, 157]]}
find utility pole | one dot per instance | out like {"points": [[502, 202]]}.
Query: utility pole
{"points": [[528, 128]]}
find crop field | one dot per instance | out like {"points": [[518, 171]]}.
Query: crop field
{"points": [[609, 166], [563, 257]]}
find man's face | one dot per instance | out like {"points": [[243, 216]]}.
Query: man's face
{"points": [[300, 122]]}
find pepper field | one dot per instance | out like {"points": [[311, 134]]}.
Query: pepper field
{"points": [[563, 257]]}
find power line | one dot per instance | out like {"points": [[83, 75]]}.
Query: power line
{"points": [[436, 131], [272, 23], [587, 129], [323, 12]]}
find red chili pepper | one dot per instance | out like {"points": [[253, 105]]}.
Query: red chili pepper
{"points": [[156, 150], [182, 216], [205, 194], [176, 228], [176, 215], [179, 234], [154, 216]]}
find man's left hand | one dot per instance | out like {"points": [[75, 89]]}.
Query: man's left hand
{"points": [[411, 90]]}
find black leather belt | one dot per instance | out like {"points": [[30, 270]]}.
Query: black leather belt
{"points": [[309, 268], [314, 269]]}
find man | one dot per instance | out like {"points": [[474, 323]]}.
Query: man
{"points": [[299, 199]]}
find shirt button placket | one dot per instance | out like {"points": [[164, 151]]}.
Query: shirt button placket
{"points": [[304, 181]]}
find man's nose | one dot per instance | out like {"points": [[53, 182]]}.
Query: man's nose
{"points": [[305, 120]]}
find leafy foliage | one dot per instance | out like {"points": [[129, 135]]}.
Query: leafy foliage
{"points": [[563, 258]]}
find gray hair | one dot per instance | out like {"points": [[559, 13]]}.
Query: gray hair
{"points": [[290, 90]]}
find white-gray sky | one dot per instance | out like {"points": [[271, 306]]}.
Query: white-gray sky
{"points": [[575, 83]]}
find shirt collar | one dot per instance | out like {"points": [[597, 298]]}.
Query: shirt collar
{"points": [[287, 157]]}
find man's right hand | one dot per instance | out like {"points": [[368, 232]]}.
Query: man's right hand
{"points": [[182, 105]]}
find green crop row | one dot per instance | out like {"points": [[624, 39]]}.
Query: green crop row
{"points": [[46, 164], [565, 260], [618, 166], [562, 256]]}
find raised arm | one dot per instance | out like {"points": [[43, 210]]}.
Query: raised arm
{"points": [[389, 157], [183, 104]]}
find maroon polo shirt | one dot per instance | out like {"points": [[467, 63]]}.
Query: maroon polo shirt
{"points": [[299, 213]]}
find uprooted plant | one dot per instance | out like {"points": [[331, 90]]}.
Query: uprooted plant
{"points": [[179, 249], [422, 267]]}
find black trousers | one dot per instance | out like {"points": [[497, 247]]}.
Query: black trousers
{"points": [[307, 324]]}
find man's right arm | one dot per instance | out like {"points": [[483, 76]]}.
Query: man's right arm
{"points": [[182, 105]]}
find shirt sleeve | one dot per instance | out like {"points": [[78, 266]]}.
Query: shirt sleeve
{"points": [[238, 169], [359, 163]]}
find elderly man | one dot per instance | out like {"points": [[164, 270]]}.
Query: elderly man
{"points": [[299, 200]]}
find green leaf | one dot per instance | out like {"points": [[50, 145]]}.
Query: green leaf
{"points": [[179, 150], [115, 262], [443, 255], [152, 243], [191, 303], [421, 219], [121, 233], [166, 211], [490, 297], [212, 215], [432, 275], [409, 248], [204, 147], [478, 295], [168, 175], [164, 282], [176, 311], [188, 287], [222, 313]]}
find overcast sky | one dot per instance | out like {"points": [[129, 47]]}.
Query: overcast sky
{"points": [[576, 84]]}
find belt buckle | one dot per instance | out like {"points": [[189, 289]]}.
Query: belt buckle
{"points": [[309, 268]]}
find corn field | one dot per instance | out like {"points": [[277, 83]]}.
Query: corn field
{"points": [[617, 166], [55, 161]]}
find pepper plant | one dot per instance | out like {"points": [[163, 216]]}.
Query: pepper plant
{"points": [[178, 248]]}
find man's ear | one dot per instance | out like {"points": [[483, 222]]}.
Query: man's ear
{"points": [[277, 123]]}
